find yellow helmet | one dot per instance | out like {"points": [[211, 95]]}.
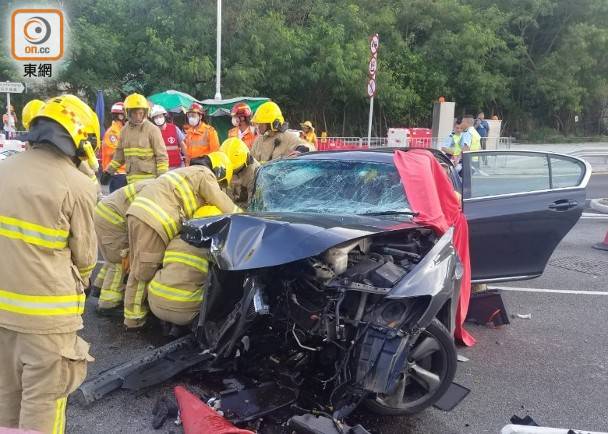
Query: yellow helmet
{"points": [[90, 119], [220, 166], [269, 113], [78, 120], [206, 211], [135, 101], [29, 111], [237, 151]]}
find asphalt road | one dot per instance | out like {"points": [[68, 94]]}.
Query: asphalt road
{"points": [[553, 367], [598, 186]]}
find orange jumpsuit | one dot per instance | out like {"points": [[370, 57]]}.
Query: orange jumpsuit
{"points": [[201, 140]]}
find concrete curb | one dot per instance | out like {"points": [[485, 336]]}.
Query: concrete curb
{"points": [[596, 205]]}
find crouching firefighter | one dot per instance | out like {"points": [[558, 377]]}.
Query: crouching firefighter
{"points": [[113, 239], [244, 169], [155, 218], [47, 252], [176, 292]]}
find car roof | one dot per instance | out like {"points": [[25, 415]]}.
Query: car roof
{"points": [[378, 155]]}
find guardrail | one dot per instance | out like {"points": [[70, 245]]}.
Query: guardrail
{"points": [[356, 143]]}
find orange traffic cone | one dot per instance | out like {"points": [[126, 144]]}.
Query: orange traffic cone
{"points": [[198, 418], [603, 245]]}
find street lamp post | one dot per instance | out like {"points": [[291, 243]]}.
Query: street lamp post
{"points": [[218, 62]]}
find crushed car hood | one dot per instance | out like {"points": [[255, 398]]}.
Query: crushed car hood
{"points": [[259, 240]]}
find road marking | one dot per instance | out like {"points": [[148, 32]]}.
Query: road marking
{"points": [[594, 216], [550, 291]]}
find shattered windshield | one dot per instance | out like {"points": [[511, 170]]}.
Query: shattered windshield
{"points": [[329, 187]]}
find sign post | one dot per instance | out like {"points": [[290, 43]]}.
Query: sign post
{"points": [[374, 42], [8, 88]]}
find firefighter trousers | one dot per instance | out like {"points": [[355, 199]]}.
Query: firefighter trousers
{"points": [[38, 373], [101, 275], [178, 317], [146, 249], [113, 243], [113, 287]]}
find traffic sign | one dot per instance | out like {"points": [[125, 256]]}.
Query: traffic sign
{"points": [[373, 66], [371, 87], [374, 42], [11, 87]]}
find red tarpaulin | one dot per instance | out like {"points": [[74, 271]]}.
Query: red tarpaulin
{"points": [[430, 193]]}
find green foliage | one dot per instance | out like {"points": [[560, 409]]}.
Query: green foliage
{"points": [[535, 63]]}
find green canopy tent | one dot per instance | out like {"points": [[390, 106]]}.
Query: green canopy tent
{"points": [[173, 100], [218, 112]]}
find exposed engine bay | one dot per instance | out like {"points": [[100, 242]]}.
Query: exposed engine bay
{"points": [[303, 319], [319, 327]]}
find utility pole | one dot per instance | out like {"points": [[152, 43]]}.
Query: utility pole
{"points": [[218, 62]]}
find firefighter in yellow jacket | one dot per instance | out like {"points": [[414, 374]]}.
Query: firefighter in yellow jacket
{"points": [[244, 169], [113, 240], [141, 147], [176, 292], [274, 141], [155, 218], [48, 250]]}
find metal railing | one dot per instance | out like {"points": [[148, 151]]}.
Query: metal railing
{"points": [[356, 143]]}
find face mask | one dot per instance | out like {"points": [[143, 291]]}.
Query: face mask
{"points": [[159, 120], [236, 121], [193, 120]]}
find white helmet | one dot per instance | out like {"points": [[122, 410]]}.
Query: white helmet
{"points": [[157, 110]]}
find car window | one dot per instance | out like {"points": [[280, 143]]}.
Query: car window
{"points": [[496, 174], [328, 187], [566, 172]]}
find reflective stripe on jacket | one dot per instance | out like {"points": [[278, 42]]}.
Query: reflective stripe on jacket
{"points": [[179, 284], [142, 150], [48, 246], [175, 196]]}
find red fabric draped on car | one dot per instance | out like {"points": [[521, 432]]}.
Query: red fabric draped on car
{"points": [[431, 194]]}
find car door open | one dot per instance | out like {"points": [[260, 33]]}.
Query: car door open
{"points": [[519, 205]]}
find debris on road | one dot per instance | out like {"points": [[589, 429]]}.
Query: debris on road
{"points": [[524, 315]]}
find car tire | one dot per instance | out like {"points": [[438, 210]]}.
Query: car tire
{"points": [[443, 361]]}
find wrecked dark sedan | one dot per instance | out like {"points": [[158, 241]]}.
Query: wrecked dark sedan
{"points": [[326, 295]]}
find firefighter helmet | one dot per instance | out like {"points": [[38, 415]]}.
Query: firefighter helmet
{"points": [[207, 211], [269, 113], [237, 151], [29, 111]]}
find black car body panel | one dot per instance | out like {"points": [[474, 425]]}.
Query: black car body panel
{"points": [[250, 241]]}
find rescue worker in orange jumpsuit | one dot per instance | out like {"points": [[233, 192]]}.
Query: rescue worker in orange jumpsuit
{"points": [[172, 136], [241, 119], [48, 250], [155, 218], [244, 169], [274, 141], [109, 144], [141, 147], [113, 240], [176, 291], [201, 138]]}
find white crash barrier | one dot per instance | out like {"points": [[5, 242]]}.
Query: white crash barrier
{"points": [[522, 429]]}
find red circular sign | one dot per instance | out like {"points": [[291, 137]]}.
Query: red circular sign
{"points": [[374, 42], [371, 87], [373, 66]]}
